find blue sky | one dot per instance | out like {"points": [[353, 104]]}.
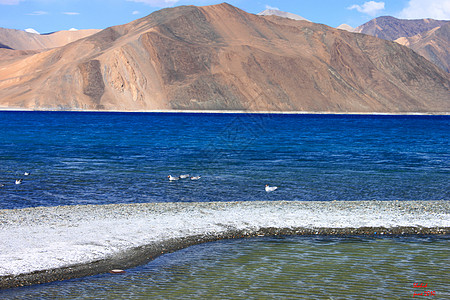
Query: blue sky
{"points": [[53, 15]]}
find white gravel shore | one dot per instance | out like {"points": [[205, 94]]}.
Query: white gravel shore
{"points": [[36, 239]]}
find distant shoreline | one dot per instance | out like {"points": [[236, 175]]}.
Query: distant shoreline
{"points": [[240, 112]]}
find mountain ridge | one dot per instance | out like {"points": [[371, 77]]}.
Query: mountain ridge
{"points": [[22, 40], [430, 38], [279, 13], [391, 28], [434, 45], [222, 58]]}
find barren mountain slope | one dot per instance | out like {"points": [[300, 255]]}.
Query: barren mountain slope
{"points": [[220, 57], [434, 45], [21, 40], [390, 28], [279, 13]]}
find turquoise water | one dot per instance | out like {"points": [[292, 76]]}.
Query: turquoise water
{"points": [[274, 268], [101, 158]]}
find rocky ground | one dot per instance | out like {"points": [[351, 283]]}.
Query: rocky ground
{"points": [[57, 243]]}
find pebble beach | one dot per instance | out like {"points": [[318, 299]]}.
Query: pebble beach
{"points": [[45, 244]]}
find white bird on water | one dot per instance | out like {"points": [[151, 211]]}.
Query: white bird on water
{"points": [[270, 188], [184, 176], [196, 177], [19, 181], [26, 173], [173, 178]]}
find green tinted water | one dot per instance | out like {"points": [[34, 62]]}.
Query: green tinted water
{"points": [[275, 268]]}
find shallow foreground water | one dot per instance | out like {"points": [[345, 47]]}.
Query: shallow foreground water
{"points": [[275, 268]]}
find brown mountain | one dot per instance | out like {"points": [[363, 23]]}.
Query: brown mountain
{"points": [[15, 43], [22, 40], [428, 37], [434, 45], [346, 27], [6, 53], [219, 57], [279, 13], [390, 28]]}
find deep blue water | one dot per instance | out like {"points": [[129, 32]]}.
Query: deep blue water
{"points": [[101, 158]]}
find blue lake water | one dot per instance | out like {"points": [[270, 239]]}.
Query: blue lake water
{"points": [[101, 158]]}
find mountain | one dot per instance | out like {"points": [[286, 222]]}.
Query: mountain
{"points": [[430, 38], [6, 53], [279, 13], [434, 45], [221, 58], [390, 28], [22, 40], [346, 27]]}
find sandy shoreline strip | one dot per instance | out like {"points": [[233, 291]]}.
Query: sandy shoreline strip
{"points": [[240, 112], [56, 243]]}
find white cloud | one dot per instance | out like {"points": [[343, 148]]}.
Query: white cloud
{"points": [[370, 7], [38, 13], [136, 12], [157, 3], [271, 7], [70, 13], [10, 2], [421, 9]]}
